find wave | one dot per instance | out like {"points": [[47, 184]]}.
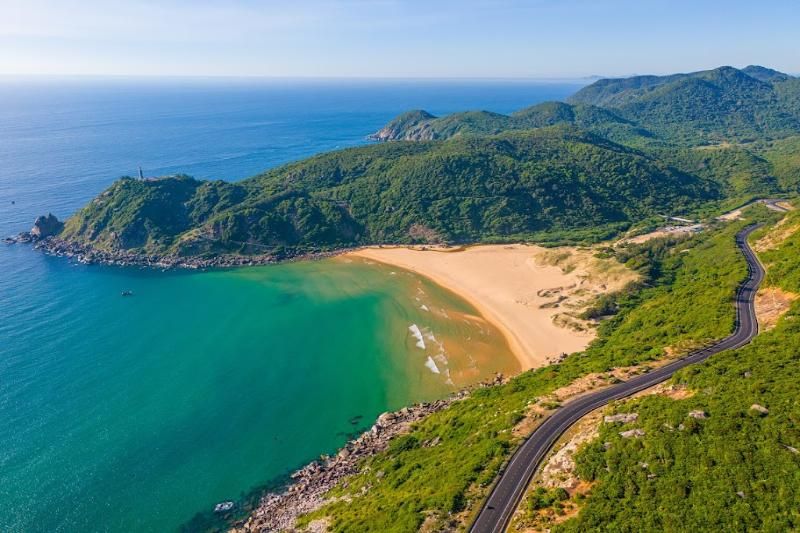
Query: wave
{"points": [[414, 329], [431, 364]]}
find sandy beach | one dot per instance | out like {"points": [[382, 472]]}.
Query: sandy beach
{"points": [[532, 294]]}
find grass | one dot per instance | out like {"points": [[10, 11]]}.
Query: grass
{"points": [[736, 470]]}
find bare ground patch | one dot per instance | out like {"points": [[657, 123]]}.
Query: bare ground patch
{"points": [[771, 304], [782, 231]]}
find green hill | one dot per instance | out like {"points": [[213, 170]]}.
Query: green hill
{"points": [[620, 152], [534, 184], [422, 126], [732, 468], [724, 104], [708, 107]]}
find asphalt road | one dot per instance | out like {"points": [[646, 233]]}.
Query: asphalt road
{"points": [[499, 507]]}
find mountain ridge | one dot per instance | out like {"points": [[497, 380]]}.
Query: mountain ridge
{"points": [[710, 106]]}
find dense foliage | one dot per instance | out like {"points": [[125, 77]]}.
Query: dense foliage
{"points": [[734, 468], [621, 153], [444, 466], [724, 104], [784, 159], [421, 125], [511, 186]]}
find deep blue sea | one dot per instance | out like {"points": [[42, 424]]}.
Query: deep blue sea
{"points": [[137, 414]]}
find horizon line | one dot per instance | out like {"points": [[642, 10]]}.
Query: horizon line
{"points": [[290, 77]]}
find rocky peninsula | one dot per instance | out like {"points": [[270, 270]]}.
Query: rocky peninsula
{"points": [[44, 236]]}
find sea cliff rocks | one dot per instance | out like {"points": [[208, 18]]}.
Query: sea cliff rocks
{"points": [[88, 254], [46, 226], [410, 126], [43, 228]]}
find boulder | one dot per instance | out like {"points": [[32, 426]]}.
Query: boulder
{"points": [[622, 418], [46, 226], [759, 409], [632, 433], [698, 414], [385, 420]]}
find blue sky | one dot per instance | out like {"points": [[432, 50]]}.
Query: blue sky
{"points": [[395, 38]]}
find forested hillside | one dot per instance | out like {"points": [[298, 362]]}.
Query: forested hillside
{"points": [[422, 126], [734, 464], [515, 185], [621, 153], [723, 104]]}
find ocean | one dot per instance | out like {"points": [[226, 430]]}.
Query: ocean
{"points": [[141, 413]]}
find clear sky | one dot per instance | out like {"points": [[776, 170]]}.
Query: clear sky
{"points": [[395, 38]]}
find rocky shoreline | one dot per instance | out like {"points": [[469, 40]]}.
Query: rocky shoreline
{"points": [[89, 255], [279, 511], [44, 236]]}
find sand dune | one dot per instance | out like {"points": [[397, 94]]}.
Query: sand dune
{"points": [[532, 294]]}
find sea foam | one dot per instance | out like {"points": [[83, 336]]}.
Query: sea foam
{"points": [[431, 364], [414, 329]]}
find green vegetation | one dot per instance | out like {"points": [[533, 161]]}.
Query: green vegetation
{"points": [[422, 126], [440, 471], [733, 468], [708, 107], [521, 185], [784, 158], [542, 498], [724, 104], [621, 153]]}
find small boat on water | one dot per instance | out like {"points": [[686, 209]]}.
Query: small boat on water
{"points": [[223, 507], [127, 293]]}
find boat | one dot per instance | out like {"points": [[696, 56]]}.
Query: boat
{"points": [[127, 293], [223, 507]]}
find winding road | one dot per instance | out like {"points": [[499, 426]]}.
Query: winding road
{"points": [[497, 510]]}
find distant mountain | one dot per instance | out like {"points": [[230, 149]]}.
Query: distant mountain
{"points": [[514, 185], [724, 104], [708, 107], [421, 125], [764, 74]]}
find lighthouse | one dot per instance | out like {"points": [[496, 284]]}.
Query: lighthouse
{"points": [[141, 176]]}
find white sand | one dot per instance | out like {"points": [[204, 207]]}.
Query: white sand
{"points": [[509, 284]]}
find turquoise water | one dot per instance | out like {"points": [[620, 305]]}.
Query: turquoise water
{"points": [[136, 414]]}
